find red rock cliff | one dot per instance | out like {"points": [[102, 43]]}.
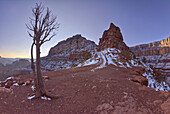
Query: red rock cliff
{"points": [[112, 38]]}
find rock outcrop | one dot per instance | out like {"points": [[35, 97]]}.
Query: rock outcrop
{"points": [[68, 53], [157, 54], [112, 38]]}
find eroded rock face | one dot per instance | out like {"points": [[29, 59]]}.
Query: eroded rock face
{"points": [[68, 53], [140, 79], [76, 42], [112, 38]]}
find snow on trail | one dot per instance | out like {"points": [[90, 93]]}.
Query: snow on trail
{"points": [[31, 97], [104, 61]]}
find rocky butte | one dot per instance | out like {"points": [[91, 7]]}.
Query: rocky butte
{"points": [[68, 53], [75, 43], [112, 38]]}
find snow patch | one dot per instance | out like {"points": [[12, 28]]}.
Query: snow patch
{"points": [[31, 97], [45, 98], [9, 78], [24, 84], [128, 65], [16, 84], [155, 85], [104, 61], [33, 88]]}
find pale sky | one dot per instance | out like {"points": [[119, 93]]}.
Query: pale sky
{"points": [[140, 21]]}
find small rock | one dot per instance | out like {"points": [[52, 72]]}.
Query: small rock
{"points": [[9, 84], [107, 85], [126, 94], [156, 102], [45, 77], [164, 93], [21, 82], [93, 87], [22, 101], [103, 112], [140, 79], [28, 82], [104, 106], [111, 102]]}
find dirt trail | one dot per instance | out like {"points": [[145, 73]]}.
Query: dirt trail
{"points": [[104, 91]]}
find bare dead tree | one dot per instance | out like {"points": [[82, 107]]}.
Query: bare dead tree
{"points": [[41, 29]]}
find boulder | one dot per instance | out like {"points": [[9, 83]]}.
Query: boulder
{"points": [[137, 71], [140, 79], [9, 84]]}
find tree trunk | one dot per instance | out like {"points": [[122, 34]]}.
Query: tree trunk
{"points": [[40, 91], [33, 66]]}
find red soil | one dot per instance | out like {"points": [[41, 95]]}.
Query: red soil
{"points": [[106, 90]]}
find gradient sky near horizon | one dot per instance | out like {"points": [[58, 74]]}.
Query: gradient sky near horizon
{"points": [[140, 21]]}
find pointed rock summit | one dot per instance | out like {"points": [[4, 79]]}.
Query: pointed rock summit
{"points": [[112, 38]]}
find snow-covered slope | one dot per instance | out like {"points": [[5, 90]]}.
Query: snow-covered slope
{"points": [[161, 62], [112, 56], [157, 54], [109, 56], [68, 53]]}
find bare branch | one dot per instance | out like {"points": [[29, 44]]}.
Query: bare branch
{"points": [[42, 25], [47, 39], [29, 27], [30, 34]]}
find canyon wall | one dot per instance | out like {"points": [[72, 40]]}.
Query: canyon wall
{"points": [[157, 54]]}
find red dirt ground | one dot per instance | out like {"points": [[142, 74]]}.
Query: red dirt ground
{"points": [[104, 91]]}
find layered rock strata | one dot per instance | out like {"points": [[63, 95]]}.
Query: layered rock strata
{"points": [[157, 54]]}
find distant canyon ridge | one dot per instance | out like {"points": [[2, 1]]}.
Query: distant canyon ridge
{"points": [[157, 54]]}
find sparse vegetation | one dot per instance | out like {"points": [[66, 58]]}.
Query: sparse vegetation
{"points": [[134, 56], [95, 56], [84, 55], [158, 76], [125, 55], [144, 59], [73, 65], [139, 63], [124, 64]]}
